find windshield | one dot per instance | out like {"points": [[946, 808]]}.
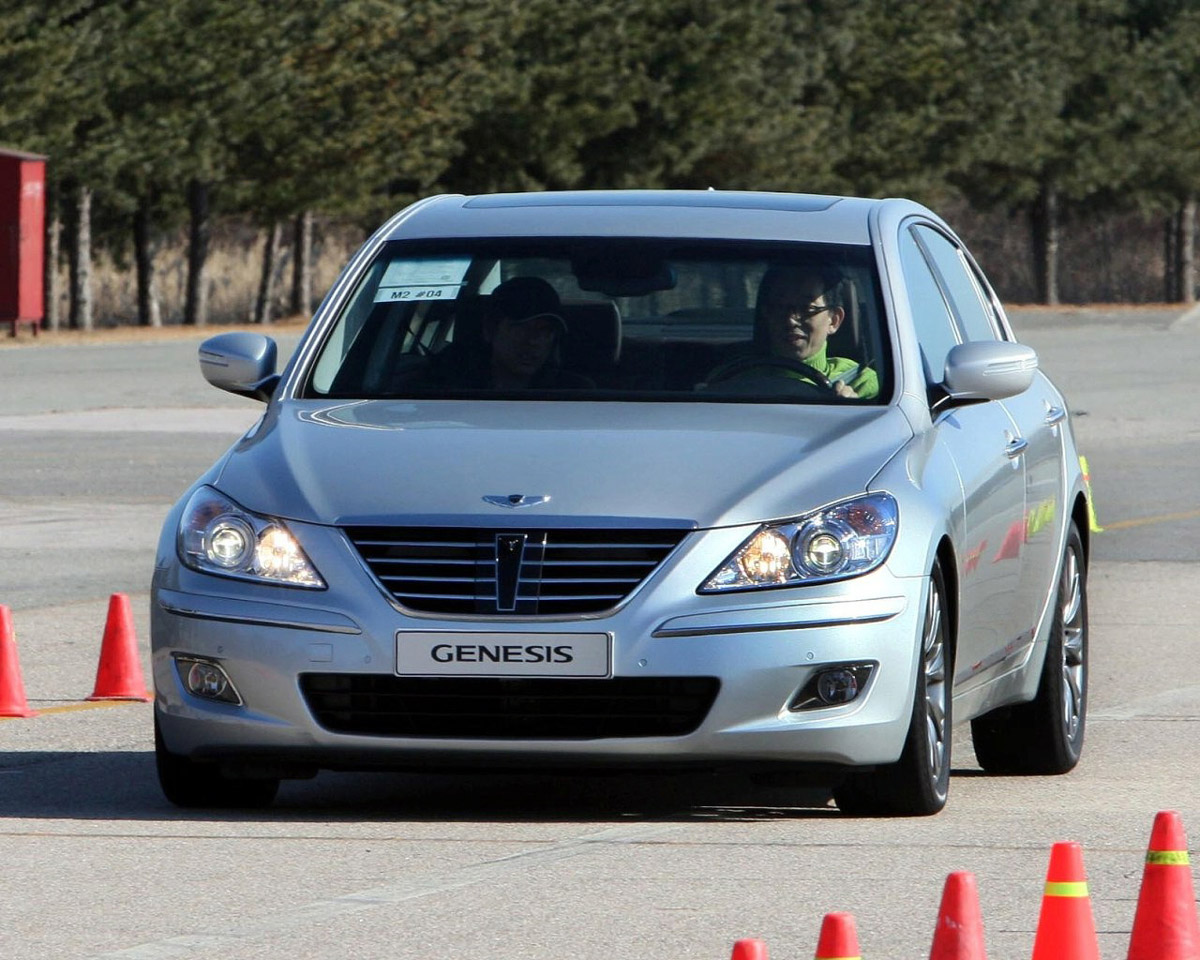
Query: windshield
{"points": [[610, 319]]}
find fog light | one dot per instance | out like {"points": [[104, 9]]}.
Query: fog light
{"points": [[837, 686], [206, 679], [833, 686]]}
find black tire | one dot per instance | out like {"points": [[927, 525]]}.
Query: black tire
{"points": [[1045, 736], [918, 784], [189, 784]]}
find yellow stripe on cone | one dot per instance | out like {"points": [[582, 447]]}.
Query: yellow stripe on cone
{"points": [[1069, 889], [1168, 858]]}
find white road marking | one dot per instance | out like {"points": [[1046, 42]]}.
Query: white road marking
{"points": [[231, 420], [1177, 704]]}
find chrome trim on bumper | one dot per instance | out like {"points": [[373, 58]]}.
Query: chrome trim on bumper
{"points": [[792, 616], [257, 613]]}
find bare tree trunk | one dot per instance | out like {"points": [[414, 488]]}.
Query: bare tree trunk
{"points": [[1170, 258], [266, 284], [149, 312], [195, 311], [80, 316], [1186, 247], [51, 288], [302, 281], [1045, 244]]}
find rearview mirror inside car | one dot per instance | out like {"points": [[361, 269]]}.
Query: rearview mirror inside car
{"points": [[628, 274]]}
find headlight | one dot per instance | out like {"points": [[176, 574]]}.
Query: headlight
{"points": [[218, 536], [842, 540]]}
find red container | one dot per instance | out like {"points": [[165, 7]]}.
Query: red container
{"points": [[22, 238]]}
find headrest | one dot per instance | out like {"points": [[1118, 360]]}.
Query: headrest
{"points": [[593, 340]]}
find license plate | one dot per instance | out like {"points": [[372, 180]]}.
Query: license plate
{"points": [[423, 653]]}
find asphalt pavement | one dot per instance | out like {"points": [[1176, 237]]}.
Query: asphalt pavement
{"points": [[96, 441]]}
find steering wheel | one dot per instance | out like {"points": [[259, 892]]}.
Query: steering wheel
{"points": [[811, 374]]}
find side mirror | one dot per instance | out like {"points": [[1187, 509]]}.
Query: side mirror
{"points": [[988, 370], [242, 363]]}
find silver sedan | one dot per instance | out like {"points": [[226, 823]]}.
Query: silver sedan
{"points": [[628, 480]]}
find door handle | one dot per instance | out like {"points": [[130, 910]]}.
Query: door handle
{"points": [[1055, 415], [1015, 447]]}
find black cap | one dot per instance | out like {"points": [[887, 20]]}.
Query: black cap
{"points": [[526, 298]]}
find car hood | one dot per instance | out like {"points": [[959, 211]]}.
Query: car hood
{"points": [[435, 462]]}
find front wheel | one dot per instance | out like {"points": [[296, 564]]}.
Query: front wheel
{"points": [[1045, 736], [187, 783], [919, 782]]}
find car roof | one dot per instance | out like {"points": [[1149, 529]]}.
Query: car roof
{"points": [[728, 214]]}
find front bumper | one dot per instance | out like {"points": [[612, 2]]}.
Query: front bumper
{"points": [[762, 648]]}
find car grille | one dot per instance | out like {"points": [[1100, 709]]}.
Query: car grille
{"points": [[502, 572], [490, 708]]}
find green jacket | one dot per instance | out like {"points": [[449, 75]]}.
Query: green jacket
{"points": [[862, 380]]}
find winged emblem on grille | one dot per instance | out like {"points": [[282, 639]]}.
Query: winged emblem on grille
{"points": [[514, 500]]}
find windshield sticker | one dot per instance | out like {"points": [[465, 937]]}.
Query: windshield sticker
{"points": [[428, 278]]}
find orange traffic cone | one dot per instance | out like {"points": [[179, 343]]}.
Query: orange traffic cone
{"points": [[1165, 925], [839, 938], [749, 949], [959, 931], [1066, 930], [12, 690], [119, 676]]}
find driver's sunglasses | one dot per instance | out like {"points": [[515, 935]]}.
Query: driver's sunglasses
{"points": [[802, 314], [797, 313]]}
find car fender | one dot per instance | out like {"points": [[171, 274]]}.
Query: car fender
{"points": [[926, 484]]}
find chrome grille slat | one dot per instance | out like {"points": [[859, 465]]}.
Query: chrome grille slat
{"points": [[613, 580], [441, 595], [611, 546], [547, 602], [424, 561], [458, 581], [452, 544], [558, 571], [403, 577], [598, 563]]}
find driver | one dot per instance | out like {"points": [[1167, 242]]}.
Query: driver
{"points": [[798, 307]]}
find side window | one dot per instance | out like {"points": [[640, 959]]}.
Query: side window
{"points": [[931, 315], [972, 306]]}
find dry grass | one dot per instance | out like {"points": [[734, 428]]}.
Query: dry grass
{"points": [[1096, 307], [234, 273], [1103, 259], [136, 334], [1106, 263]]}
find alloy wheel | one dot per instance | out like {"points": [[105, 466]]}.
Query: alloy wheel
{"points": [[934, 666], [1071, 612]]}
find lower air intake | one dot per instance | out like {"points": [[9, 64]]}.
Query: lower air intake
{"points": [[489, 708]]}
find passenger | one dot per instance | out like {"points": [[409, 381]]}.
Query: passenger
{"points": [[798, 307], [521, 333]]}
